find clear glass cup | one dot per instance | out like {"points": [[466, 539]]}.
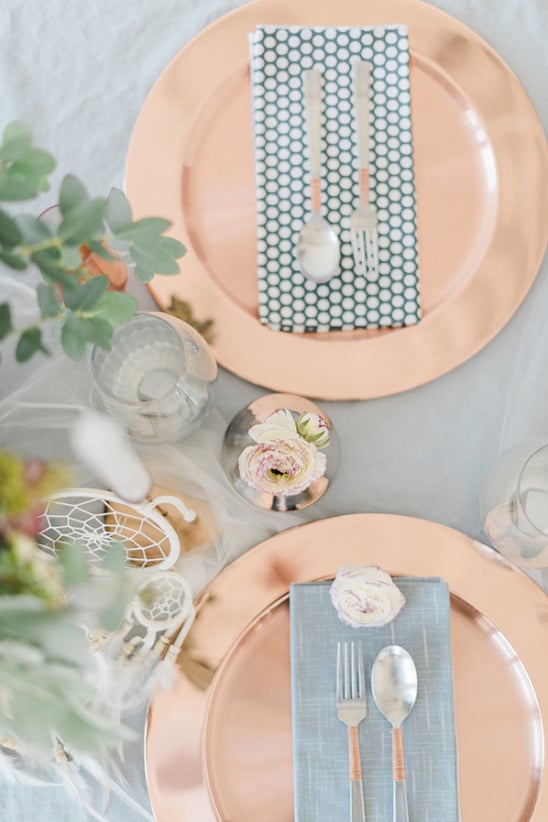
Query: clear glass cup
{"points": [[515, 506], [156, 378]]}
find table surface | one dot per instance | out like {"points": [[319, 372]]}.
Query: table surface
{"points": [[79, 73]]}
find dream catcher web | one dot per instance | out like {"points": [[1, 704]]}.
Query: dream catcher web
{"points": [[97, 519]]}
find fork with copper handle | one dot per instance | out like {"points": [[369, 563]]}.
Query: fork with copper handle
{"points": [[352, 709]]}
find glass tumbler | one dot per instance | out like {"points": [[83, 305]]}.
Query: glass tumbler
{"points": [[515, 506], [156, 378]]}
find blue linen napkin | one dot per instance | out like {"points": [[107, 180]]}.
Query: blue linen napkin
{"points": [[279, 55], [320, 747]]}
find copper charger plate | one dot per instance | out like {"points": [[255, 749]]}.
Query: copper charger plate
{"points": [[218, 746], [481, 173]]}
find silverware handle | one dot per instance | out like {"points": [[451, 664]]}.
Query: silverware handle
{"points": [[401, 812], [357, 804], [362, 84], [312, 99]]}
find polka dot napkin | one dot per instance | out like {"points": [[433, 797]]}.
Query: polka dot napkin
{"points": [[279, 56]]}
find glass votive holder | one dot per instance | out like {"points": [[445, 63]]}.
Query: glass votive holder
{"points": [[514, 505], [280, 452], [156, 378]]}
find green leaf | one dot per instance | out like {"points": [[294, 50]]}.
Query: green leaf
{"points": [[71, 194], [71, 293], [15, 261], [71, 258], [118, 214], [115, 307], [34, 162], [17, 139], [29, 343], [14, 187], [90, 292], [10, 234], [82, 222], [75, 336], [5, 320], [101, 331], [49, 262], [141, 229], [47, 300], [150, 260], [16, 130], [32, 229], [73, 562], [98, 248], [170, 245]]}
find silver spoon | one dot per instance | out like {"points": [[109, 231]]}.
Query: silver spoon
{"points": [[394, 685], [318, 249]]}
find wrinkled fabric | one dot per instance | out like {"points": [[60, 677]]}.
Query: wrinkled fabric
{"points": [[79, 73]]}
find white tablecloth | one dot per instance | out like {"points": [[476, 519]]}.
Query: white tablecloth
{"points": [[79, 73]]}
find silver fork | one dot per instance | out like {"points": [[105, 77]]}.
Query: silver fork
{"points": [[363, 220], [352, 709]]}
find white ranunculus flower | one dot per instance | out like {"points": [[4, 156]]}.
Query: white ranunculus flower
{"points": [[365, 595], [283, 467], [278, 426]]}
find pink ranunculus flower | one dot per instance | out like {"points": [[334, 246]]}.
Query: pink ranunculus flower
{"points": [[283, 467]]}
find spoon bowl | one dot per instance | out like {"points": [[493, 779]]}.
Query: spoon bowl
{"points": [[394, 684], [318, 250]]}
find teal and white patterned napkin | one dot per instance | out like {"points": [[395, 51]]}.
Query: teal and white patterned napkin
{"points": [[320, 747], [279, 56]]}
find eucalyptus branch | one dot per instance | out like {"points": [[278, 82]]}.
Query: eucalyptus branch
{"points": [[70, 295]]}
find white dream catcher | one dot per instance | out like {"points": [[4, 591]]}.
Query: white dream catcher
{"points": [[96, 519]]}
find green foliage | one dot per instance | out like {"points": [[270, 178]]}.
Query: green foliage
{"points": [[71, 295]]}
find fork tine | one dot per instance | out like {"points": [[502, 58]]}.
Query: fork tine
{"points": [[339, 672], [346, 675], [361, 674], [353, 678]]}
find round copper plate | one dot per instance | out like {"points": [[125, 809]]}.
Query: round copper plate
{"points": [[234, 675], [481, 170]]}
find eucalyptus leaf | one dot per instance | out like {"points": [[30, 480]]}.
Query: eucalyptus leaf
{"points": [[16, 130], [16, 261], [170, 245], [151, 261], [75, 336], [71, 194], [115, 307], [83, 221], [15, 187], [29, 343], [5, 320], [10, 233], [73, 562], [147, 227], [90, 292], [47, 300], [118, 214], [71, 292], [97, 247], [32, 229], [17, 139], [34, 162], [71, 258], [101, 331], [49, 262]]}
